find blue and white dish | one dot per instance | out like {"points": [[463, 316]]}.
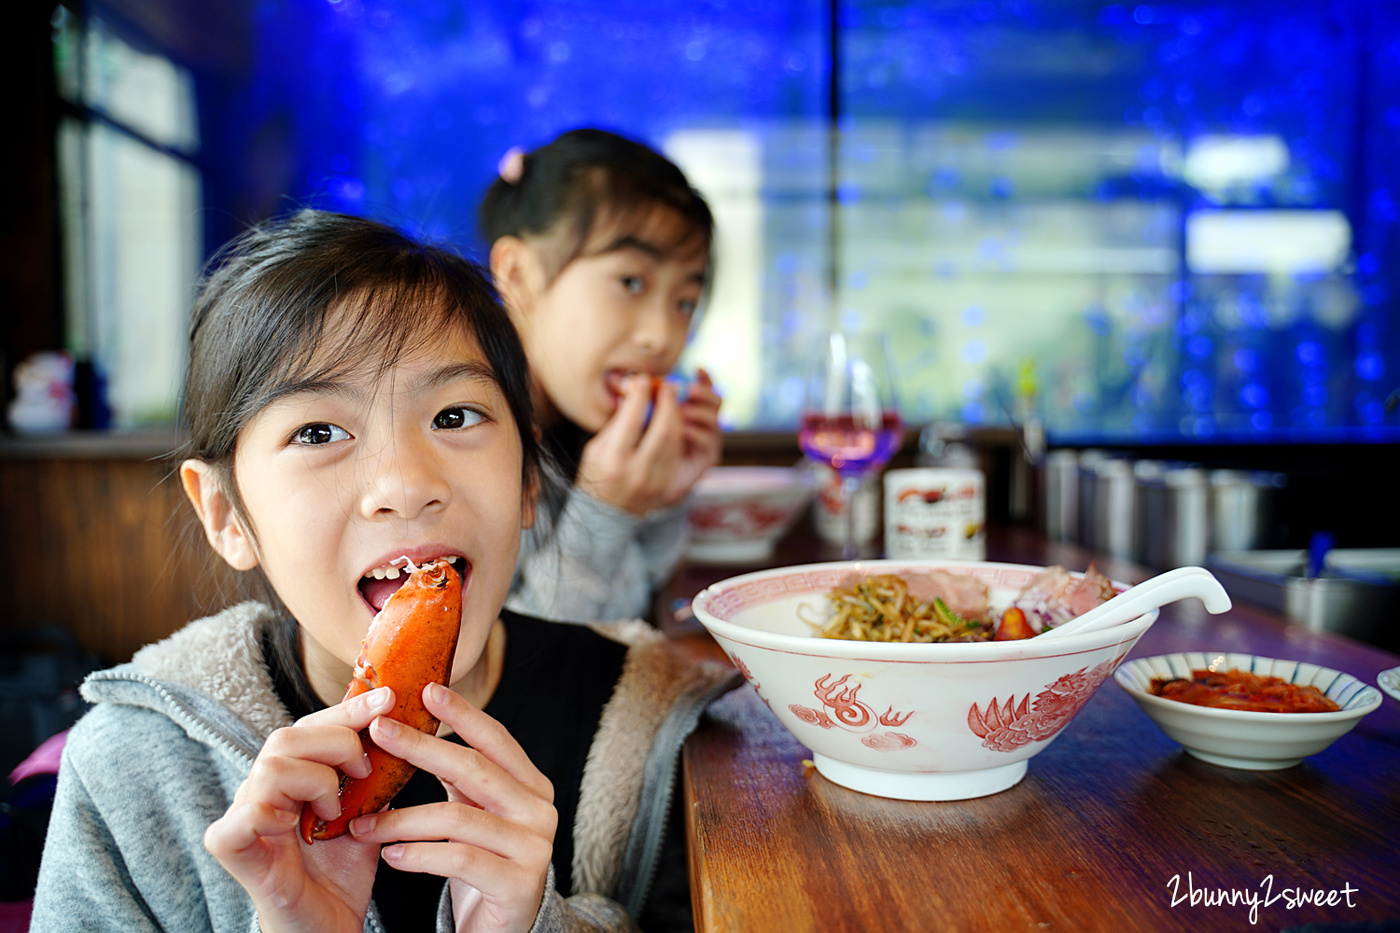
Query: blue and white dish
{"points": [[1247, 739], [1390, 681]]}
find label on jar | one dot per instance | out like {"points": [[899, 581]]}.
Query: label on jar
{"points": [[934, 512]]}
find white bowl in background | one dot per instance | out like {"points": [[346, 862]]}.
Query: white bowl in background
{"points": [[1247, 739], [1389, 681], [738, 513], [909, 721]]}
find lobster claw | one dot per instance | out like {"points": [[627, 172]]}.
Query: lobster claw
{"points": [[409, 644]]}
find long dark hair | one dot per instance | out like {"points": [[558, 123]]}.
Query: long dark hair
{"points": [[262, 309], [584, 176]]}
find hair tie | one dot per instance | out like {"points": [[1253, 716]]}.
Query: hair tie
{"points": [[512, 165]]}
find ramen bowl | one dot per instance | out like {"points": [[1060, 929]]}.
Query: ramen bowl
{"points": [[1247, 739], [908, 721], [738, 513]]}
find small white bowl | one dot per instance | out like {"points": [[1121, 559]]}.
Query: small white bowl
{"points": [[738, 513], [1247, 739], [908, 721], [1389, 681]]}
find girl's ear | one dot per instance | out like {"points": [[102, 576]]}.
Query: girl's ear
{"points": [[222, 526], [516, 270]]}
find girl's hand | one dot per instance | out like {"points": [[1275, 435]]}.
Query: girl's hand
{"points": [[631, 462], [494, 836], [700, 437], [638, 465], [295, 887]]}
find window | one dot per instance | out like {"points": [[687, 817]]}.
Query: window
{"points": [[130, 201]]}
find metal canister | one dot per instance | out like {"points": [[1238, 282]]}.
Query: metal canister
{"points": [[1060, 475], [1113, 493], [1242, 505], [1173, 511], [1086, 498]]}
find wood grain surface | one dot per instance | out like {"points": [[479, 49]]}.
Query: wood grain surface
{"points": [[98, 546]]}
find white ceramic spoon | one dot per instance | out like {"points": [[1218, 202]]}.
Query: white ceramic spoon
{"points": [[1148, 595]]}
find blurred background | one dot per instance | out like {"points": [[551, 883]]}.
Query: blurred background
{"points": [[1166, 230], [1170, 222]]}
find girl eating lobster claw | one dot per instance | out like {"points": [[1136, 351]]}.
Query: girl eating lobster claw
{"points": [[358, 407]]}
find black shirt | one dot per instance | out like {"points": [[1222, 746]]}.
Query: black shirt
{"points": [[554, 683]]}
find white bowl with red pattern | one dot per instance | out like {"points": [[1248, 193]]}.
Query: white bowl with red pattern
{"points": [[909, 721], [738, 513]]}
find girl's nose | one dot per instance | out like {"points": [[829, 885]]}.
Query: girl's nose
{"points": [[656, 331], [403, 480]]}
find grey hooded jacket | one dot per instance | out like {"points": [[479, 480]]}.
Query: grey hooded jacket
{"points": [[174, 732], [584, 560]]}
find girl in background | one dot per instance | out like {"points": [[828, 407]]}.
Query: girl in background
{"points": [[353, 396], [602, 252]]}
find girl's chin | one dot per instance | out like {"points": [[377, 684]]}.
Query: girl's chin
{"points": [[595, 417]]}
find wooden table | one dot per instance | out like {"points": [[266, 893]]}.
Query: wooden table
{"points": [[1113, 828]]}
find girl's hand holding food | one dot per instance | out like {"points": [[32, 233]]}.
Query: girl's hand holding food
{"points": [[700, 437], [493, 837], [639, 465], [296, 887]]}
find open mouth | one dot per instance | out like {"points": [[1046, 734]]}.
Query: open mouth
{"points": [[377, 585], [616, 380]]}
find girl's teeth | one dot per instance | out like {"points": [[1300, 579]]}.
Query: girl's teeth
{"points": [[392, 572]]}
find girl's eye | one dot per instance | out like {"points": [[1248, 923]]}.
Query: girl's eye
{"points": [[633, 284], [688, 306], [452, 419], [313, 434]]}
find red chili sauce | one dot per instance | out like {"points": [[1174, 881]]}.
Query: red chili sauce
{"points": [[1236, 689]]}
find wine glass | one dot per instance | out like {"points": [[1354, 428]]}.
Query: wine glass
{"points": [[850, 420]]}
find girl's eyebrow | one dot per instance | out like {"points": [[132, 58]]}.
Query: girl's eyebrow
{"points": [[632, 241], [310, 387], [472, 370], [647, 248]]}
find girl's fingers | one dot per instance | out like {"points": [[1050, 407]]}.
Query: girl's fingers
{"points": [[301, 765], [486, 735], [490, 873], [460, 822], [355, 712], [697, 418], [661, 440], [493, 771], [625, 427], [505, 859], [330, 736], [494, 836], [290, 783], [243, 825], [702, 390]]}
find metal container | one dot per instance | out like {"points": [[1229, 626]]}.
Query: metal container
{"points": [[1242, 509], [1060, 475], [1111, 492], [1088, 477], [1173, 515], [1357, 594]]}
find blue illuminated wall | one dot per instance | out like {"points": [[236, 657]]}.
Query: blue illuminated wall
{"points": [[1012, 183]]}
